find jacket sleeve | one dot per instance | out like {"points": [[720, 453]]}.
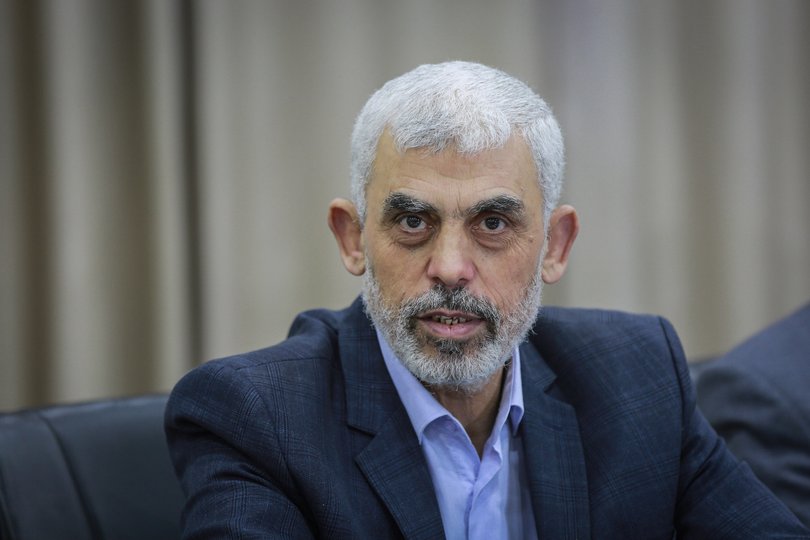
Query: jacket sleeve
{"points": [[718, 496], [223, 444], [762, 428]]}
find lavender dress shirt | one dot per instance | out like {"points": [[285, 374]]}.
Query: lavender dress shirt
{"points": [[479, 498]]}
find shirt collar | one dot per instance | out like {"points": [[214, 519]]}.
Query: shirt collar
{"points": [[422, 407]]}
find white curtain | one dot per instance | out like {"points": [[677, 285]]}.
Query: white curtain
{"points": [[165, 166]]}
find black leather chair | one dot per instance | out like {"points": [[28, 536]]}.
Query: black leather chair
{"points": [[97, 470]]}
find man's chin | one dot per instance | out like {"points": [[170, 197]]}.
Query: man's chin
{"points": [[448, 349], [452, 372]]}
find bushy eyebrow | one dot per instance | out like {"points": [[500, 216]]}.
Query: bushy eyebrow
{"points": [[501, 204], [507, 205], [400, 202]]}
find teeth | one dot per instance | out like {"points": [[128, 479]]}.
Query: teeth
{"points": [[449, 320]]}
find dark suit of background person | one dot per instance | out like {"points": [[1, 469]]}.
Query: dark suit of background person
{"points": [[757, 397], [310, 438]]}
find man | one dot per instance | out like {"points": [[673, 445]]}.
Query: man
{"points": [[757, 399], [442, 404]]}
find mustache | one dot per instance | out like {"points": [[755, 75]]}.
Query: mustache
{"points": [[459, 299]]}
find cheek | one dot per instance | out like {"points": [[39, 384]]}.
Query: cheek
{"points": [[398, 273], [508, 276]]}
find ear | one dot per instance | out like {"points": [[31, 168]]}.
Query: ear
{"points": [[563, 228], [345, 225]]}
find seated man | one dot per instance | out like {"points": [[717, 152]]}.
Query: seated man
{"points": [[757, 397], [445, 403]]}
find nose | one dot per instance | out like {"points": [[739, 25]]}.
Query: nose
{"points": [[451, 262]]}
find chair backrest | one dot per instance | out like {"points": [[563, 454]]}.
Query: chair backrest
{"points": [[97, 470]]}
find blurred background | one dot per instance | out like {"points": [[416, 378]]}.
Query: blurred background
{"points": [[165, 166]]}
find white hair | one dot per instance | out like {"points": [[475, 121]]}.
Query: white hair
{"points": [[469, 106]]}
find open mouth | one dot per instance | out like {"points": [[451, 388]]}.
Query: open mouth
{"points": [[450, 321], [445, 324]]}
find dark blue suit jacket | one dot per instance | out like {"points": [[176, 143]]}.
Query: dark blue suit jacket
{"points": [[758, 398], [309, 438]]}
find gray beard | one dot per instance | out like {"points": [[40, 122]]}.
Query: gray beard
{"points": [[462, 366]]}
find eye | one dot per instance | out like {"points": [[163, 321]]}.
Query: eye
{"points": [[413, 223], [493, 224]]}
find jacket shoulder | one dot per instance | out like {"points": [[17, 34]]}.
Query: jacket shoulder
{"points": [[606, 358], [605, 333], [303, 364], [779, 348]]}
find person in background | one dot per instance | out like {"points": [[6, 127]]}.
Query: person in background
{"points": [[444, 402], [757, 397]]}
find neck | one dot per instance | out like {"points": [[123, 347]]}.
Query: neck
{"points": [[476, 411]]}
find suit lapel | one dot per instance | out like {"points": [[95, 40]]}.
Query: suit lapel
{"points": [[395, 468], [392, 461], [554, 457]]}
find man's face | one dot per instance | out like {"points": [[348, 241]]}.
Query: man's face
{"points": [[453, 247]]}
